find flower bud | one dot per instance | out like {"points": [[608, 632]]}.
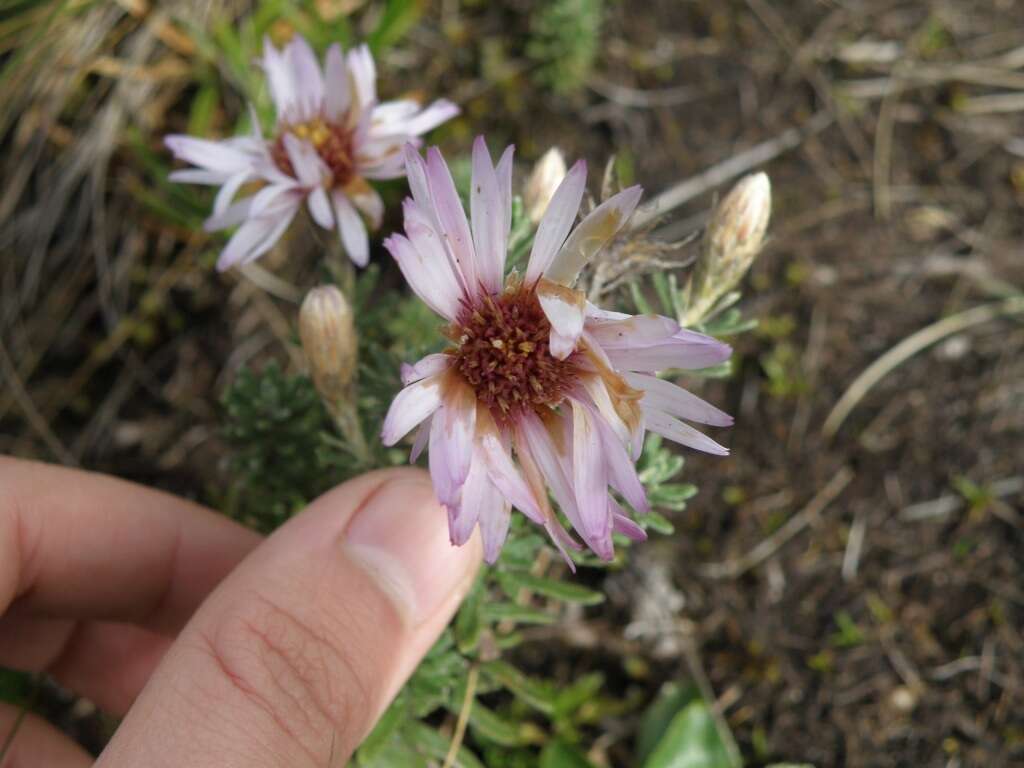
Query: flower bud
{"points": [[731, 243], [329, 341], [739, 223], [544, 179], [332, 347]]}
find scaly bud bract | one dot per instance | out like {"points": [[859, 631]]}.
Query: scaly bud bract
{"points": [[731, 243], [331, 345], [544, 179], [329, 340]]}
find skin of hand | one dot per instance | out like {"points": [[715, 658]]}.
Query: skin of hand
{"points": [[219, 648]]}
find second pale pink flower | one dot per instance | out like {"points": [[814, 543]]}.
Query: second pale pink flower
{"points": [[332, 137]]}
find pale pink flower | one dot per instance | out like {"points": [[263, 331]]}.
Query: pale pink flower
{"points": [[539, 388], [331, 136]]}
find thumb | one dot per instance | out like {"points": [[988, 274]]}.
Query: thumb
{"points": [[295, 655]]}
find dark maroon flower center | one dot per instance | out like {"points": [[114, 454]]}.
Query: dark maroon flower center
{"points": [[502, 353], [332, 141]]}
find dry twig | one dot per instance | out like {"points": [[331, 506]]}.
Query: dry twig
{"points": [[909, 347], [718, 174], [463, 721], [799, 521]]}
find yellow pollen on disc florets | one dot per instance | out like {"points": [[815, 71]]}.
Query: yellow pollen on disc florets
{"points": [[331, 140], [502, 353]]}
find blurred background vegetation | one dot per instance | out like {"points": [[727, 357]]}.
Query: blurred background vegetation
{"points": [[844, 590]]}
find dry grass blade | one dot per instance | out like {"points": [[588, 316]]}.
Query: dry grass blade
{"points": [[28, 408], [463, 721], [722, 172], [738, 566], [909, 347]]}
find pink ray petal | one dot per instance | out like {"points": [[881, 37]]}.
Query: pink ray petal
{"points": [[557, 221], [433, 283], [452, 218], [593, 233], [621, 523], [564, 309], [590, 480], [487, 219], [351, 229], [306, 76], [672, 428], [411, 406], [431, 365], [479, 498], [687, 349], [451, 441], [337, 90], [676, 401]]}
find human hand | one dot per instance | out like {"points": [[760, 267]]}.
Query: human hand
{"points": [[218, 648]]}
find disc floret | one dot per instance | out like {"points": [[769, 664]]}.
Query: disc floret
{"points": [[502, 353], [333, 142]]}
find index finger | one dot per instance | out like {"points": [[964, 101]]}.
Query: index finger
{"points": [[81, 545]]}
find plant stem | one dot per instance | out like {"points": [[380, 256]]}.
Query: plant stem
{"points": [[460, 726], [346, 417]]}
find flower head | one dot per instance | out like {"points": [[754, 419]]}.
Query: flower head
{"points": [[331, 136], [539, 389]]}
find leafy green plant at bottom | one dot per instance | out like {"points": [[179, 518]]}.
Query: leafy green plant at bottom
{"points": [[678, 731]]}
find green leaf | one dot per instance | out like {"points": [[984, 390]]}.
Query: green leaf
{"points": [[521, 548], [671, 495], [204, 105], [398, 18], [664, 287], [382, 734], [652, 521], [520, 614], [729, 323], [849, 634], [513, 581], [521, 236], [558, 754], [469, 623], [429, 742], [436, 682], [541, 696], [507, 733], [394, 753], [643, 307], [670, 701], [578, 693], [691, 741], [511, 640], [658, 464], [720, 371]]}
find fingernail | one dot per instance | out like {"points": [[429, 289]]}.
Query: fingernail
{"points": [[400, 537]]}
